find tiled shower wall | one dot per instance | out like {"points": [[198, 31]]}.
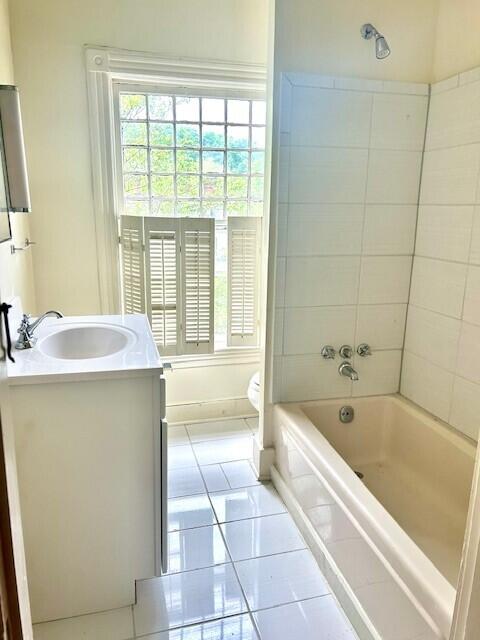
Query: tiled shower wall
{"points": [[350, 164], [441, 369]]}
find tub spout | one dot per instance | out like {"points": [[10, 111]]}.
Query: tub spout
{"points": [[346, 369]]}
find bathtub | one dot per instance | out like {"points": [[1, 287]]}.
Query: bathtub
{"points": [[395, 478]]}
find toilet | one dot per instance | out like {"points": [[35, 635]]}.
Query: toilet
{"points": [[253, 392]]}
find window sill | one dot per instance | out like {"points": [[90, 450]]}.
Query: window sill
{"points": [[217, 359]]}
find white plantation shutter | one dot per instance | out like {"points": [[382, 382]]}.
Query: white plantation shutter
{"points": [[133, 272], [243, 291], [162, 264], [198, 254]]}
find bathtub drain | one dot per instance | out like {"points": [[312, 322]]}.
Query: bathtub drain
{"points": [[359, 474]]}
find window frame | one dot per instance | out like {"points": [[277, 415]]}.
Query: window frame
{"points": [[108, 67], [143, 88]]}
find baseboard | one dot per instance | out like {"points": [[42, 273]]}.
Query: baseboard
{"points": [[340, 588], [211, 410], [263, 459]]}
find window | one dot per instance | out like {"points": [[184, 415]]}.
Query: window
{"points": [[191, 171]]}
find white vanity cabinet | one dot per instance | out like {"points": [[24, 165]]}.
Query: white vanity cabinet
{"points": [[91, 456]]}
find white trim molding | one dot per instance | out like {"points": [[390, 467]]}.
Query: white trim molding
{"points": [[105, 67]]}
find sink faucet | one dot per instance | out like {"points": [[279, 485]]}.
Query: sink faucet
{"points": [[346, 369], [26, 339]]}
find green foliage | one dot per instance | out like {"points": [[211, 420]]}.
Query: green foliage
{"points": [[188, 161], [256, 188], [213, 161], [134, 133], [189, 209], [237, 187], [162, 186], [213, 136], [188, 186], [132, 106], [237, 162], [188, 135], [160, 107], [213, 187], [220, 310], [134, 159], [161, 135], [135, 185], [161, 161]]}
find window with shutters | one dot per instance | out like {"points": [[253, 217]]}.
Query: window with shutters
{"points": [[190, 191]]}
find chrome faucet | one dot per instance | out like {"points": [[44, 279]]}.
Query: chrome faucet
{"points": [[26, 339], [346, 369]]}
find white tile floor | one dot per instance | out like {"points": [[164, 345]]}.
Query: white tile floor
{"points": [[238, 567]]}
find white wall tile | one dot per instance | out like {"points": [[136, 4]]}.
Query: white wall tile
{"points": [[286, 92], [469, 353], [393, 176], [325, 229], [310, 377], [450, 176], [475, 245], [283, 184], [389, 229], [299, 79], [471, 307], [308, 329], [381, 326], [378, 374], [472, 75], [427, 385], [358, 84], [385, 280], [445, 85], [433, 337], [318, 281], [444, 232], [465, 407], [438, 286], [280, 282], [320, 174], [412, 88], [454, 117], [398, 122], [282, 221], [278, 330], [326, 118]]}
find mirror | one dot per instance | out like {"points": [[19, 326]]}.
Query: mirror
{"points": [[5, 229]]}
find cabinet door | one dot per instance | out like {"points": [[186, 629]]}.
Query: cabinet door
{"points": [[14, 601], [164, 496]]}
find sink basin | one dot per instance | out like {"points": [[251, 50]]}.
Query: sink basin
{"points": [[86, 341]]}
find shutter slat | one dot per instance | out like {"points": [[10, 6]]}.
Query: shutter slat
{"points": [[243, 267], [133, 269], [163, 281], [198, 254]]}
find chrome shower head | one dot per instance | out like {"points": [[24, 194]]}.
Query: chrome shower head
{"points": [[382, 50]]}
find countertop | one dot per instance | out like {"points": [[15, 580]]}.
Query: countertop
{"points": [[31, 366]]}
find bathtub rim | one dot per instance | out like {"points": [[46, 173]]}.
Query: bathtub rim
{"points": [[410, 565]]}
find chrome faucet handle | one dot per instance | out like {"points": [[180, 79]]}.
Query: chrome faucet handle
{"points": [[364, 350], [346, 351], [328, 352]]}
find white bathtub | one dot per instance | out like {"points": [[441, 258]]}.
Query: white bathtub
{"points": [[410, 507]]}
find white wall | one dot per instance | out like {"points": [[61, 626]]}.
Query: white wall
{"points": [[48, 37], [323, 36], [16, 276], [457, 45], [442, 345], [350, 161]]}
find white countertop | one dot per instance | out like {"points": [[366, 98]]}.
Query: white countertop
{"points": [[31, 366]]}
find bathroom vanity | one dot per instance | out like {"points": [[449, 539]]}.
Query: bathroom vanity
{"points": [[89, 408]]}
